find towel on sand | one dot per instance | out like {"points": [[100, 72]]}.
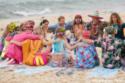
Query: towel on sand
{"points": [[34, 70], [103, 72]]}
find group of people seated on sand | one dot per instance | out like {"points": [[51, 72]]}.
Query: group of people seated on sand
{"points": [[71, 44]]}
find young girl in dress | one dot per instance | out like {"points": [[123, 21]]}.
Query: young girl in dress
{"points": [[60, 56]]}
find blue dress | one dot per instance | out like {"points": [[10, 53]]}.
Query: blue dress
{"points": [[86, 57], [58, 48]]}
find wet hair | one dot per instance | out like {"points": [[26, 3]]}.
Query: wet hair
{"points": [[61, 17], [119, 21], [43, 21]]}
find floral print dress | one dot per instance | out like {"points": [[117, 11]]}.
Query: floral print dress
{"points": [[111, 52], [86, 57]]}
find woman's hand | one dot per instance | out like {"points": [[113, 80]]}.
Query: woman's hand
{"points": [[80, 44], [12, 41]]}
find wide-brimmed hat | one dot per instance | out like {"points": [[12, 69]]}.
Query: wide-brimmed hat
{"points": [[96, 15]]}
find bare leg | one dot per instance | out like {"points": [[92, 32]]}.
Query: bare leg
{"points": [[11, 61]]}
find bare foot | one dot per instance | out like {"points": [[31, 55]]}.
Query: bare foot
{"points": [[110, 66]]}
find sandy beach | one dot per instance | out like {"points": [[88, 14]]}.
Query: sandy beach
{"points": [[8, 74]]}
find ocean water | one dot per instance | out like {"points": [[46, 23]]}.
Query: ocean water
{"points": [[22, 8]]}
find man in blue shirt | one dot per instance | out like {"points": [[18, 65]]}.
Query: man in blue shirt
{"points": [[61, 24]]}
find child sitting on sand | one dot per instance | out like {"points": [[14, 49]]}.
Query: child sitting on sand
{"points": [[60, 56]]}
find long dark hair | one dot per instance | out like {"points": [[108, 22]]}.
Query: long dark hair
{"points": [[43, 21], [119, 21]]}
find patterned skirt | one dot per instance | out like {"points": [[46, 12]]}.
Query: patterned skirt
{"points": [[86, 57]]}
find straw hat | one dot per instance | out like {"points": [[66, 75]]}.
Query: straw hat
{"points": [[95, 15]]}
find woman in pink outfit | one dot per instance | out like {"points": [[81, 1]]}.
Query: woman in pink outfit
{"points": [[14, 50]]}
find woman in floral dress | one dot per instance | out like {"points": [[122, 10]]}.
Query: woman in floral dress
{"points": [[111, 49]]}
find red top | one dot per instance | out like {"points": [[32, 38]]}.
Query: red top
{"points": [[86, 34]]}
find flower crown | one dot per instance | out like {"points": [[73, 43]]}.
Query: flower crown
{"points": [[11, 27]]}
